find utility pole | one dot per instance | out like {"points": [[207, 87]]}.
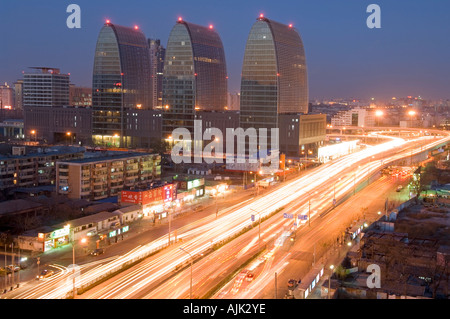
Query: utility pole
{"points": [[169, 216], [18, 275], [6, 275], [309, 211], [13, 264], [192, 260], [276, 297], [259, 228]]}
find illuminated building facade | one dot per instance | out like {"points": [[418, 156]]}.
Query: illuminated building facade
{"points": [[45, 87], [158, 53], [274, 75], [121, 82], [95, 178], [195, 76]]}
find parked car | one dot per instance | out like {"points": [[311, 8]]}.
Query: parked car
{"points": [[97, 252], [292, 283], [10, 268], [45, 274]]}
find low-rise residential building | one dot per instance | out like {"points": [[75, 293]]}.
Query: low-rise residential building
{"points": [[25, 167], [100, 177], [93, 227]]}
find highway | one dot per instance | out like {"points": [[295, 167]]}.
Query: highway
{"points": [[142, 280]]}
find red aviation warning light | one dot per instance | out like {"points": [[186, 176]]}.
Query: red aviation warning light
{"points": [[136, 27], [211, 26], [180, 19], [108, 21], [261, 15], [290, 25]]}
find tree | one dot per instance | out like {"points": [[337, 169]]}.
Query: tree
{"points": [[159, 146]]}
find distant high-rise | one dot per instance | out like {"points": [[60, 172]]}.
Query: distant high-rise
{"points": [[274, 75], [121, 82], [7, 97], [157, 54], [18, 92], [195, 76], [46, 87]]}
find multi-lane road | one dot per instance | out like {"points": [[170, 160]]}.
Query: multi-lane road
{"points": [[156, 276]]}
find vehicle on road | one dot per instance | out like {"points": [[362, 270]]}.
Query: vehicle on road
{"points": [[249, 276], [292, 283], [45, 274], [97, 252]]}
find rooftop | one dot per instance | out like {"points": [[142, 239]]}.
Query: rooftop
{"points": [[109, 157], [6, 151], [17, 205], [88, 219]]}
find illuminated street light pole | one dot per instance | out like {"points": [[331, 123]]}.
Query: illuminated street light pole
{"points": [[411, 114], [192, 259], [170, 219], [329, 280], [259, 228], [83, 240], [69, 136], [309, 208], [334, 191], [34, 133]]}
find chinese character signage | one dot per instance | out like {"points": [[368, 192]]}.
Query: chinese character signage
{"points": [[165, 193]]}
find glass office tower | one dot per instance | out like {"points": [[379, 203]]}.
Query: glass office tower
{"points": [[121, 82], [274, 75], [195, 76]]}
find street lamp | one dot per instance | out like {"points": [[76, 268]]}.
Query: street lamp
{"points": [[69, 136], [329, 280], [82, 241], [378, 114], [334, 191], [259, 228], [192, 259], [33, 132], [411, 114], [309, 207]]}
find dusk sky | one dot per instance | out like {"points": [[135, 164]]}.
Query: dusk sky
{"points": [[409, 55]]}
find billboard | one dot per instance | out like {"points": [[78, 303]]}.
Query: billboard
{"points": [[165, 193]]}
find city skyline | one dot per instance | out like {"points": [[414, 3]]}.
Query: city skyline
{"points": [[346, 58]]}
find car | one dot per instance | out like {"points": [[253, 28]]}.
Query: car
{"points": [[249, 276], [292, 283], [10, 268], [97, 252], [46, 273]]}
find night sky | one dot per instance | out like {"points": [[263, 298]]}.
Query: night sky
{"points": [[409, 55]]}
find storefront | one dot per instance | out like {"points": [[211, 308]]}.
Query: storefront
{"points": [[192, 188], [153, 201], [55, 239]]}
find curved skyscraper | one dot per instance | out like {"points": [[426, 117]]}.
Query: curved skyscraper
{"points": [[121, 82], [194, 77], [274, 75]]}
